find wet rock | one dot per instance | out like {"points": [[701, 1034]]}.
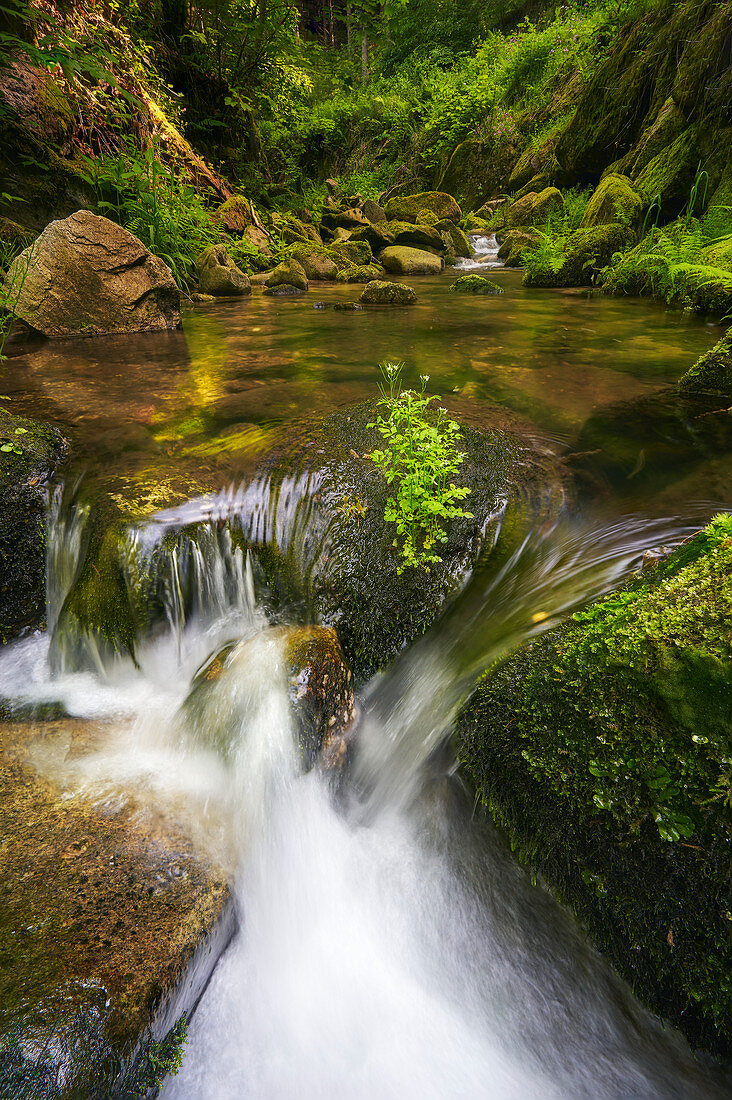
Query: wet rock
{"points": [[347, 307], [373, 211], [455, 239], [476, 284], [379, 293], [360, 273], [289, 273], [416, 236], [86, 276], [407, 207], [319, 684], [284, 290], [410, 261], [218, 274], [29, 455], [319, 532], [712, 373], [112, 921]]}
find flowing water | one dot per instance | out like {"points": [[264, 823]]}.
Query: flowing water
{"points": [[389, 945]]}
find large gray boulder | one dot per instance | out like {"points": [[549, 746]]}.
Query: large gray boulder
{"points": [[401, 260], [219, 275], [86, 276]]}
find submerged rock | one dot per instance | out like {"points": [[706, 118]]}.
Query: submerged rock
{"points": [[599, 749], [29, 455], [379, 293], [476, 284], [365, 273], [410, 261], [218, 274], [86, 276], [112, 922], [712, 373]]}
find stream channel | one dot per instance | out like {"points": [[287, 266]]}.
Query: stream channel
{"points": [[390, 945]]}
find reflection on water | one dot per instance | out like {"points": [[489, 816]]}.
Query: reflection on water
{"points": [[198, 407]]}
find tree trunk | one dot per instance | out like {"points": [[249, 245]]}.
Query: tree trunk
{"points": [[364, 56]]}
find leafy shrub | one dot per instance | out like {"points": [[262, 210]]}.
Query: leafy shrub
{"points": [[419, 459]]}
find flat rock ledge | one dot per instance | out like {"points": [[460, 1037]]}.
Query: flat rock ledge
{"points": [[111, 923]]}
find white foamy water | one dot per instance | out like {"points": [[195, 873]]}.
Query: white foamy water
{"points": [[485, 254]]}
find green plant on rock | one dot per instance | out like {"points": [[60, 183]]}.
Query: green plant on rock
{"points": [[10, 292], [419, 460]]}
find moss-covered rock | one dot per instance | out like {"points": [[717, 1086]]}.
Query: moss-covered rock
{"points": [[360, 273], [476, 284], [29, 455], [671, 173], [603, 750], [534, 208], [380, 293], [319, 264], [235, 215], [218, 274], [456, 241], [401, 260], [373, 211], [342, 562], [514, 243], [712, 373], [662, 132], [288, 273], [535, 164], [580, 256], [472, 174], [111, 923], [406, 208], [415, 236], [354, 251], [376, 236], [344, 219], [614, 200]]}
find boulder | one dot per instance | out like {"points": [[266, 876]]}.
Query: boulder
{"points": [[29, 455], [354, 251], [379, 293], [376, 236], [455, 240], [415, 236], [410, 261], [613, 200], [113, 920], [534, 208], [373, 211], [86, 276], [599, 750], [360, 273], [514, 242], [317, 263], [476, 284], [712, 373], [671, 173], [288, 273], [219, 275], [320, 688], [406, 208], [344, 219], [474, 172], [235, 214], [583, 253]]}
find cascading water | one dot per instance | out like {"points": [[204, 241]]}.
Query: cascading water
{"points": [[388, 946], [485, 254]]}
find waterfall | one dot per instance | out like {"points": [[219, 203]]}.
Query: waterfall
{"points": [[484, 254]]}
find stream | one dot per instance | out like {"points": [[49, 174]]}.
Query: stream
{"points": [[389, 945]]}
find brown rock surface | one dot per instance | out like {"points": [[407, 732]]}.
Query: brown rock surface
{"points": [[86, 276]]}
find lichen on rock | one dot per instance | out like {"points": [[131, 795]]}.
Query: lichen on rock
{"points": [[476, 284], [712, 372]]}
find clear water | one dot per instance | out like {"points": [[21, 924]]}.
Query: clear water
{"points": [[389, 944]]}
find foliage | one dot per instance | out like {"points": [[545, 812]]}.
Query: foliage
{"points": [[156, 203], [548, 253], [10, 291], [162, 1058], [419, 459]]}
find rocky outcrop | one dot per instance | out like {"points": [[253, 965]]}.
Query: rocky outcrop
{"points": [[534, 208], [218, 274], [408, 208], [379, 293], [29, 455], [86, 276], [476, 284], [712, 373], [599, 749], [112, 922], [401, 260]]}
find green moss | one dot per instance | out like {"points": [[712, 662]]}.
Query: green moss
{"points": [[355, 252], [576, 260], [712, 373], [534, 208], [671, 173], [360, 273], [605, 750], [614, 200], [407, 207], [476, 284]]}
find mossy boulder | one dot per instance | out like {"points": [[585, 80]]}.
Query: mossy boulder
{"points": [[475, 284], [613, 200], [415, 236], [601, 750], [319, 264], [342, 563], [534, 208], [235, 215], [375, 236], [354, 251], [534, 164], [712, 373], [112, 922], [406, 208], [319, 682], [401, 260], [373, 211], [671, 174], [87, 276], [380, 293], [218, 274], [288, 273], [360, 273], [662, 132], [455, 239], [514, 243], [30, 453], [581, 255], [344, 219]]}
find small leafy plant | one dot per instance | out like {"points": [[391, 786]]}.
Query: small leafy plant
{"points": [[419, 460]]}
